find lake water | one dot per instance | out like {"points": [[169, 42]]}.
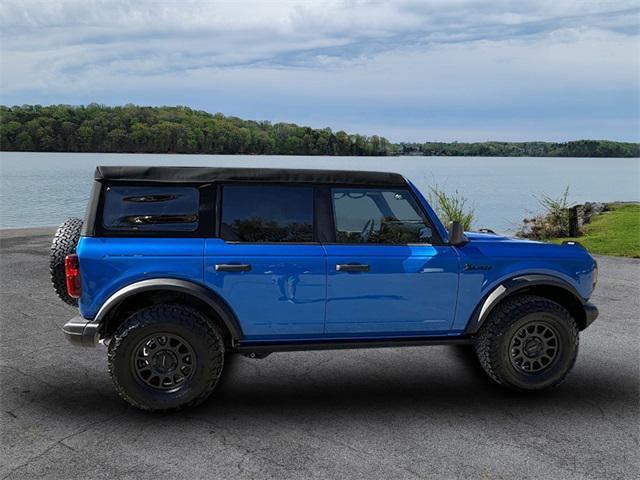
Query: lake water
{"points": [[42, 189]]}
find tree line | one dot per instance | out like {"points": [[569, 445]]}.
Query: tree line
{"points": [[136, 129], [578, 148]]}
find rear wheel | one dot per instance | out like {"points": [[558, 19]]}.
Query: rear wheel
{"points": [[166, 357], [528, 343]]}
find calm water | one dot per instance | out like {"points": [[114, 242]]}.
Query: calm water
{"points": [[42, 189]]}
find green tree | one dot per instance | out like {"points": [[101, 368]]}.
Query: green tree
{"points": [[132, 128]]}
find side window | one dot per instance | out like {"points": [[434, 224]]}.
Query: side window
{"points": [[151, 208], [267, 213], [378, 216]]}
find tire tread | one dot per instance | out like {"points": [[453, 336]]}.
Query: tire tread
{"points": [[189, 317], [64, 243], [501, 318]]}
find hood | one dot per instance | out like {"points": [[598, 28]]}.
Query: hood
{"points": [[491, 237], [503, 246]]}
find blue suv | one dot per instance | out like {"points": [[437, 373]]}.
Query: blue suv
{"points": [[176, 268]]}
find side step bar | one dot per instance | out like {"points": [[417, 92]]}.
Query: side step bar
{"points": [[340, 345]]}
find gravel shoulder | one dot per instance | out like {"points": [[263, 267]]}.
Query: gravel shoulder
{"points": [[408, 413]]}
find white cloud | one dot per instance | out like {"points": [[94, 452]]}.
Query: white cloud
{"points": [[330, 62]]}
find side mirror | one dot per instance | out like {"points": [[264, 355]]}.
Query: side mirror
{"points": [[457, 237]]}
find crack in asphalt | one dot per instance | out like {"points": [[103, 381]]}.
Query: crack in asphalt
{"points": [[60, 442]]}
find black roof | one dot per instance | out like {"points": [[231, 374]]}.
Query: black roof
{"points": [[279, 175]]}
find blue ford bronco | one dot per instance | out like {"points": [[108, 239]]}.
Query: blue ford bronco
{"points": [[176, 268]]}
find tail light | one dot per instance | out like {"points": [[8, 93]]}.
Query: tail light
{"points": [[72, 272]]}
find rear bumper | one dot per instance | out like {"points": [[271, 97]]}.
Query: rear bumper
{"points": [[590, 313], [81, 332]]}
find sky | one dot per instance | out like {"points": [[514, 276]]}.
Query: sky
{"points": [[430, 70]]}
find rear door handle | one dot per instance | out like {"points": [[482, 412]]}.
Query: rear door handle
{"points": [[232, 267], [352, 267]]}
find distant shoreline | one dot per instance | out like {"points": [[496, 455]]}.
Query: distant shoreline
{"points": [[180, 130], [395, 155]]}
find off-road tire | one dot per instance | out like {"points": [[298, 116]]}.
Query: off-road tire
{"points": [[493, 345], [64, 243], [202, 336]]}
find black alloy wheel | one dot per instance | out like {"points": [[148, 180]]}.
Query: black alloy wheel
{"points": [[534, 347], [164, 361]]}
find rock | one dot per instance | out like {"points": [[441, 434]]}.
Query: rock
{"points": [[580, 215], [548, 226]]}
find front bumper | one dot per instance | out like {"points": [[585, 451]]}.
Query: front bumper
{"points": [[590, 313], [82, 332]]}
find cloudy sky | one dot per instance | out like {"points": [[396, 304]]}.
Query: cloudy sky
{"points": [[407, 69]]}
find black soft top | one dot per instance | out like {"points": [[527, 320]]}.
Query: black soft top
{"points": [[275, 175]]}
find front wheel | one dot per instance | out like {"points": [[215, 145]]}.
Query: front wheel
{"points": [[528, 343], [166, 357]]}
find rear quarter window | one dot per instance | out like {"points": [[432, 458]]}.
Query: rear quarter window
{"points": [[151, 208]]}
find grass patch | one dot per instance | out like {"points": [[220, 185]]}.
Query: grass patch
{"points": [[616, 232]]}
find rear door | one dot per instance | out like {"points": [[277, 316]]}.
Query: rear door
{"points": [[266, 262], [387, 275]]}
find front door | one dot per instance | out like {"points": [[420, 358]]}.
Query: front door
{"points": [[385, 275], [266, 264]]}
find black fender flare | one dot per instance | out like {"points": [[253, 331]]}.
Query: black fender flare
{"points": [[509, 287], [176, 285]]}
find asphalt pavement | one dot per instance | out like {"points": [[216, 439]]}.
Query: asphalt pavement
{"points": [[420, 412]]}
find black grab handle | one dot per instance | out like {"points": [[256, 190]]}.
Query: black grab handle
{"points": [[352, 267], [232, 267]]}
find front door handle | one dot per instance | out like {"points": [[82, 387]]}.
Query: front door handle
{"points": [[352, 267], [232, 267]]}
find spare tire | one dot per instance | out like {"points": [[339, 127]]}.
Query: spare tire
{"points": [[64, 243]]}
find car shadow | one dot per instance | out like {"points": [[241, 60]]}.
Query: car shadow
{"points": [[407, 386], [464, 389]]}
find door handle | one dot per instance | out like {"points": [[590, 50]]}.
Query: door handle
{"points": [[232, 267], [352, 267]]}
